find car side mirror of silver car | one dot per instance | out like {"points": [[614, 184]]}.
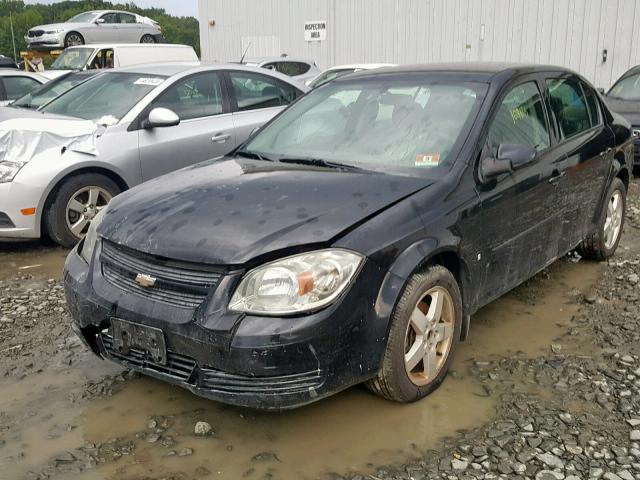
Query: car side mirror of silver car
{"points": [[601, 90], [161, 117], [511, 157], [99, 21]]}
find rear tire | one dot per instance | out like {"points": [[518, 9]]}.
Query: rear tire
{"points": [[74, 204], [423, 339], [72, 39], [148, 39], [603, 243]]}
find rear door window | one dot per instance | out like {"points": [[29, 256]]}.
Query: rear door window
{"points": [[520, 120], [196, 96], [16, 87], [254, 91], [126, 18], [570, 107]]}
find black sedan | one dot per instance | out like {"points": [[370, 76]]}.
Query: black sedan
{"points": [[624, 98], [352, 237]]}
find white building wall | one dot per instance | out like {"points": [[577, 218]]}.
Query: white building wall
{"points": [[572, 33]]}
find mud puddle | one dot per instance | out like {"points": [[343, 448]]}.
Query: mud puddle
{"points": [[351, 431], [31, 258]]}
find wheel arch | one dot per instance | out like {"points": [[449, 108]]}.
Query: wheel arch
{"points": [[55, 185], [71, 32], [621, 171]]}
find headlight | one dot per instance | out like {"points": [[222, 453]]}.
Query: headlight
{"points": [[91, 237], [51, 32], [9, 169], [296, 284]]}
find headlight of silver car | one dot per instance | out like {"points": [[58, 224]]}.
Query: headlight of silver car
{"points": [[91, 237], [55, 30], [299, 283], [9, 169]]}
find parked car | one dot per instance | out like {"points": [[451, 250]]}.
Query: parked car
{"points": [[624, 98], [340, 70], [52, 89], [106, 56], [322, 254], [6, 62], [153, 119], [15, 83], [98, 26], [299, 69]]}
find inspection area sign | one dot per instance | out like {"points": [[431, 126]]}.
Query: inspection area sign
{"points": [[315, 31]]}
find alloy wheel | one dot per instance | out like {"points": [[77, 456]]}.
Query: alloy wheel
{"points": [[73, 40], [147, 39], [613, 222], [429, 336], [83, 206]]}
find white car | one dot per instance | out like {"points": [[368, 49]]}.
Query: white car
{"points": [[297, 68], [16, 83], [98, 26], [340, 70], [61, 165]]}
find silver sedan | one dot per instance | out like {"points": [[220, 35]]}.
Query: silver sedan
{"points": [[151, 119], [99, 26]]}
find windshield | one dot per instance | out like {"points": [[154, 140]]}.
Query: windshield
{"points": [[106, 98], [627, 88], [49, 91], [329, 75], [86, 17], [407, 124], [74, 59]]}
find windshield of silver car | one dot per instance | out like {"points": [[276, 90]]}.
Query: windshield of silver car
{"points": [[73, 59], [627, 88], [409, 123], [105, 98]]}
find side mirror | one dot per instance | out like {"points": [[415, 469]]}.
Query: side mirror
{"points": [[511, 157], [255, 130], [601, 91], [161, 117], [99, 21]]}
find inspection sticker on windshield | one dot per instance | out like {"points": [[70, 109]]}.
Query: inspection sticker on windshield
{"points": [[154, 82], [427, 160]]}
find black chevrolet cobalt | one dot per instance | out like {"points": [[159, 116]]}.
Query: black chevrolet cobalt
{"points": [[351, 238]]}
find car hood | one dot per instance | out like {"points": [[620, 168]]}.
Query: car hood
{"points": [[234, 210], [630, 109], [54, 26]]}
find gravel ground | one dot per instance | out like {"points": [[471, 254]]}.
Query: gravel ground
{"points": [[570, 413]]}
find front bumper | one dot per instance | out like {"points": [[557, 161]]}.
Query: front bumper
{"points": [[251, 361], [13, 224], [53, 40]]}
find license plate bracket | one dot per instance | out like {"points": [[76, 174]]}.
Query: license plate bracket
{"points": [[127, 335]]}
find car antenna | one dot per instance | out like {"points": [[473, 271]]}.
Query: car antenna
{"points": [[245, 52]]}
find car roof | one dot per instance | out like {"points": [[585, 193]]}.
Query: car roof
{"points": [[361, 66], [129, 45], [277, 59], [483, 70], [12, 72]]}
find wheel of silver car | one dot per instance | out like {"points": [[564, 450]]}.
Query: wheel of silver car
{"points": [[603, 243], [147, 39], [83, 206], [423, 337], [72, 39], [74, 203]]}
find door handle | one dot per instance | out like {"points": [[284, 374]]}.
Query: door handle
{"points": [[556, 178], [220, 137]]}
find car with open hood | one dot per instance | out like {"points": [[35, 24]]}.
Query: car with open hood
{"points": [[351, 239], [61, 164]]}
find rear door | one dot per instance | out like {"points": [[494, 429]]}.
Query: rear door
{"points": [[256, 99], [588, 145], [129, 30], [205, 130], [519, 209]]}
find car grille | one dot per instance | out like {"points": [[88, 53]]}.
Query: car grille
{"points": [[176, 283], [35, 33], [178, 367], [185, 369]]}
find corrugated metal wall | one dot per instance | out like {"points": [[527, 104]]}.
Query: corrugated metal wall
{"points": [[573, 33]]}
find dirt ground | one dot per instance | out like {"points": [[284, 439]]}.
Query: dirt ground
{"points": [[547, 387]]}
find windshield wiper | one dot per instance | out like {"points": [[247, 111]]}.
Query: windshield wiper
{"points": [[254, 155], [318, 162]]}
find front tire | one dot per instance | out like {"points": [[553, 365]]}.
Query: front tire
{"points": [[72, 39], [147, 39], [423, 339], [603, 243], [74, 205]]}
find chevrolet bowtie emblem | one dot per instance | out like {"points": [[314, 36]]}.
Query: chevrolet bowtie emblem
{"points": [[145, 281]]}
